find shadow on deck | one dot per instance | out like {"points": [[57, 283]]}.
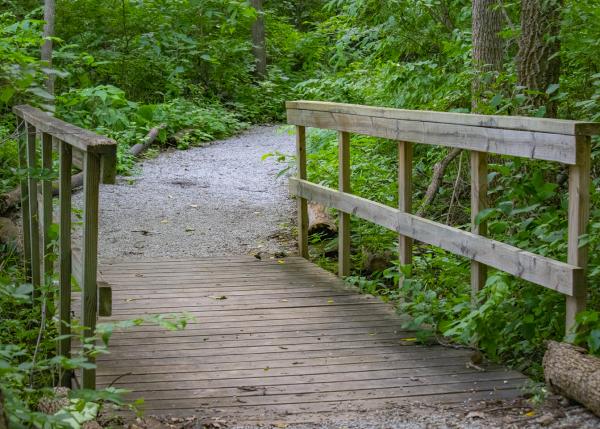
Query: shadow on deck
{"points": [[275, 339]]}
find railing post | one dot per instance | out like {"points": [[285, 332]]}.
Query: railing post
{"points": [[579, 213], [64, 345], [89, 302], [479, 187], [405, 160], [34, 226], [24, 184], [344, 218], [47, 205], [302, 203]]}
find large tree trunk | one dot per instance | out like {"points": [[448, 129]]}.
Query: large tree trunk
{"points": [[49, 17], [488, 46], [258, 40], [571, 372], [539, 45]]}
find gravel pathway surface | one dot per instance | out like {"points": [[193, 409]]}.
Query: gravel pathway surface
{"points": [[221, 199]]}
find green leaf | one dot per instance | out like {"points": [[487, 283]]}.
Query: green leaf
{"points": [[594, 341], [485, 214], [552, 88]]}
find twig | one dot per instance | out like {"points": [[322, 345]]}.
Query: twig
{"points": [[455, 188], [119, 377], [39, 339], [436, 180]]}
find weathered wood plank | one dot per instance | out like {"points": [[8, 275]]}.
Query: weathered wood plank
{"points": [[84, 140], [520, 123], [405, 162], [479, 190], [302, 205], [544, 271], [64, 307], [89, 303], [34, 214], [579, 214], [24, 185], [502, 141], [47, 207], [344, 218]]}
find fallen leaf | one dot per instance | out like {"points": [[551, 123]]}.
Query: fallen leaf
{"points": [[280, 261], [476, 415], [267, 368], [408, 339], [164, 221], [281, 425], [530, 414], [284, 300], [220, 298], [330, 301], [194, 206], [190, 229]]}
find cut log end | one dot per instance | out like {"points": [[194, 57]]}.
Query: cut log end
{"points": [[571, 372], [320, 221]]}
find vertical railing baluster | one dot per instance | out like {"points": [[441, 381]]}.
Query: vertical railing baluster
{"points": [[479, 187], [64, 346], [344, 218], [34, 227], [89, 301], [24, 185], [579, 213], [405, 161], [302, 203], [47, 205]]}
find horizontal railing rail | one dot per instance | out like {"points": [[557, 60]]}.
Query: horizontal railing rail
{"points": [[567, 142], [97, 150]]}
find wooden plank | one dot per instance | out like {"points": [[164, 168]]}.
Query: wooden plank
{"points": [[344, 218], [84, 140], [372, 393], [89, 286], [526, 144], [479, 190], [161, 370], [520, 123], [579, 214], [64, 310], [302, 203], [47, 207], [34, 215], [405, 161], [24, 185], [544, 271]]}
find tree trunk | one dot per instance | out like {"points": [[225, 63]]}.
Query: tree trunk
{"points": [[538, 62], [488, 46], [258, 40], [46, 55], [571, 372]]}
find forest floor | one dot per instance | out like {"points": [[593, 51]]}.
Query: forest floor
{"points": [[224, 199]]}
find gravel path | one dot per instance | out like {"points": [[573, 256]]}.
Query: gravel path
{"points": [[221, 199]]}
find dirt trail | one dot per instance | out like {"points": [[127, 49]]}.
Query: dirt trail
{"points": [[222, 199]]}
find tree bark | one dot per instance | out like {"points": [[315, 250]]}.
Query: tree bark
{"points": [[47, 47], [488, 46], [538, 63], [571, 372], [258, 40]]}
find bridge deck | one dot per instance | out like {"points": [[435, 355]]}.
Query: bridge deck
{"points": [[275, 340]]}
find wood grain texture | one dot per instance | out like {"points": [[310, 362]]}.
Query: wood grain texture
{"points": [[405, 162], [24, 185], [279, 347], [579, 214], [89, 303], [47, 206], [479, 188], [64, 240], [344, 218], [34, 214], [80, 138], [302, 203], [502, 141], [538, 269], [519, 123]]}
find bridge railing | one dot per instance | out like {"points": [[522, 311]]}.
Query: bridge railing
{"points": [[98, 155], [566, 142]]}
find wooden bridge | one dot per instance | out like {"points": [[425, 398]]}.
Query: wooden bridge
{"points": [[282, 338]]}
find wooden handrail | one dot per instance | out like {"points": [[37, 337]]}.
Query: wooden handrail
{"points": [[66, 138], [568, 142]]}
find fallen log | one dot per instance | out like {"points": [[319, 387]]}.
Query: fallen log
{"points": [[570, 371], [320, 221], [11, 199]]}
